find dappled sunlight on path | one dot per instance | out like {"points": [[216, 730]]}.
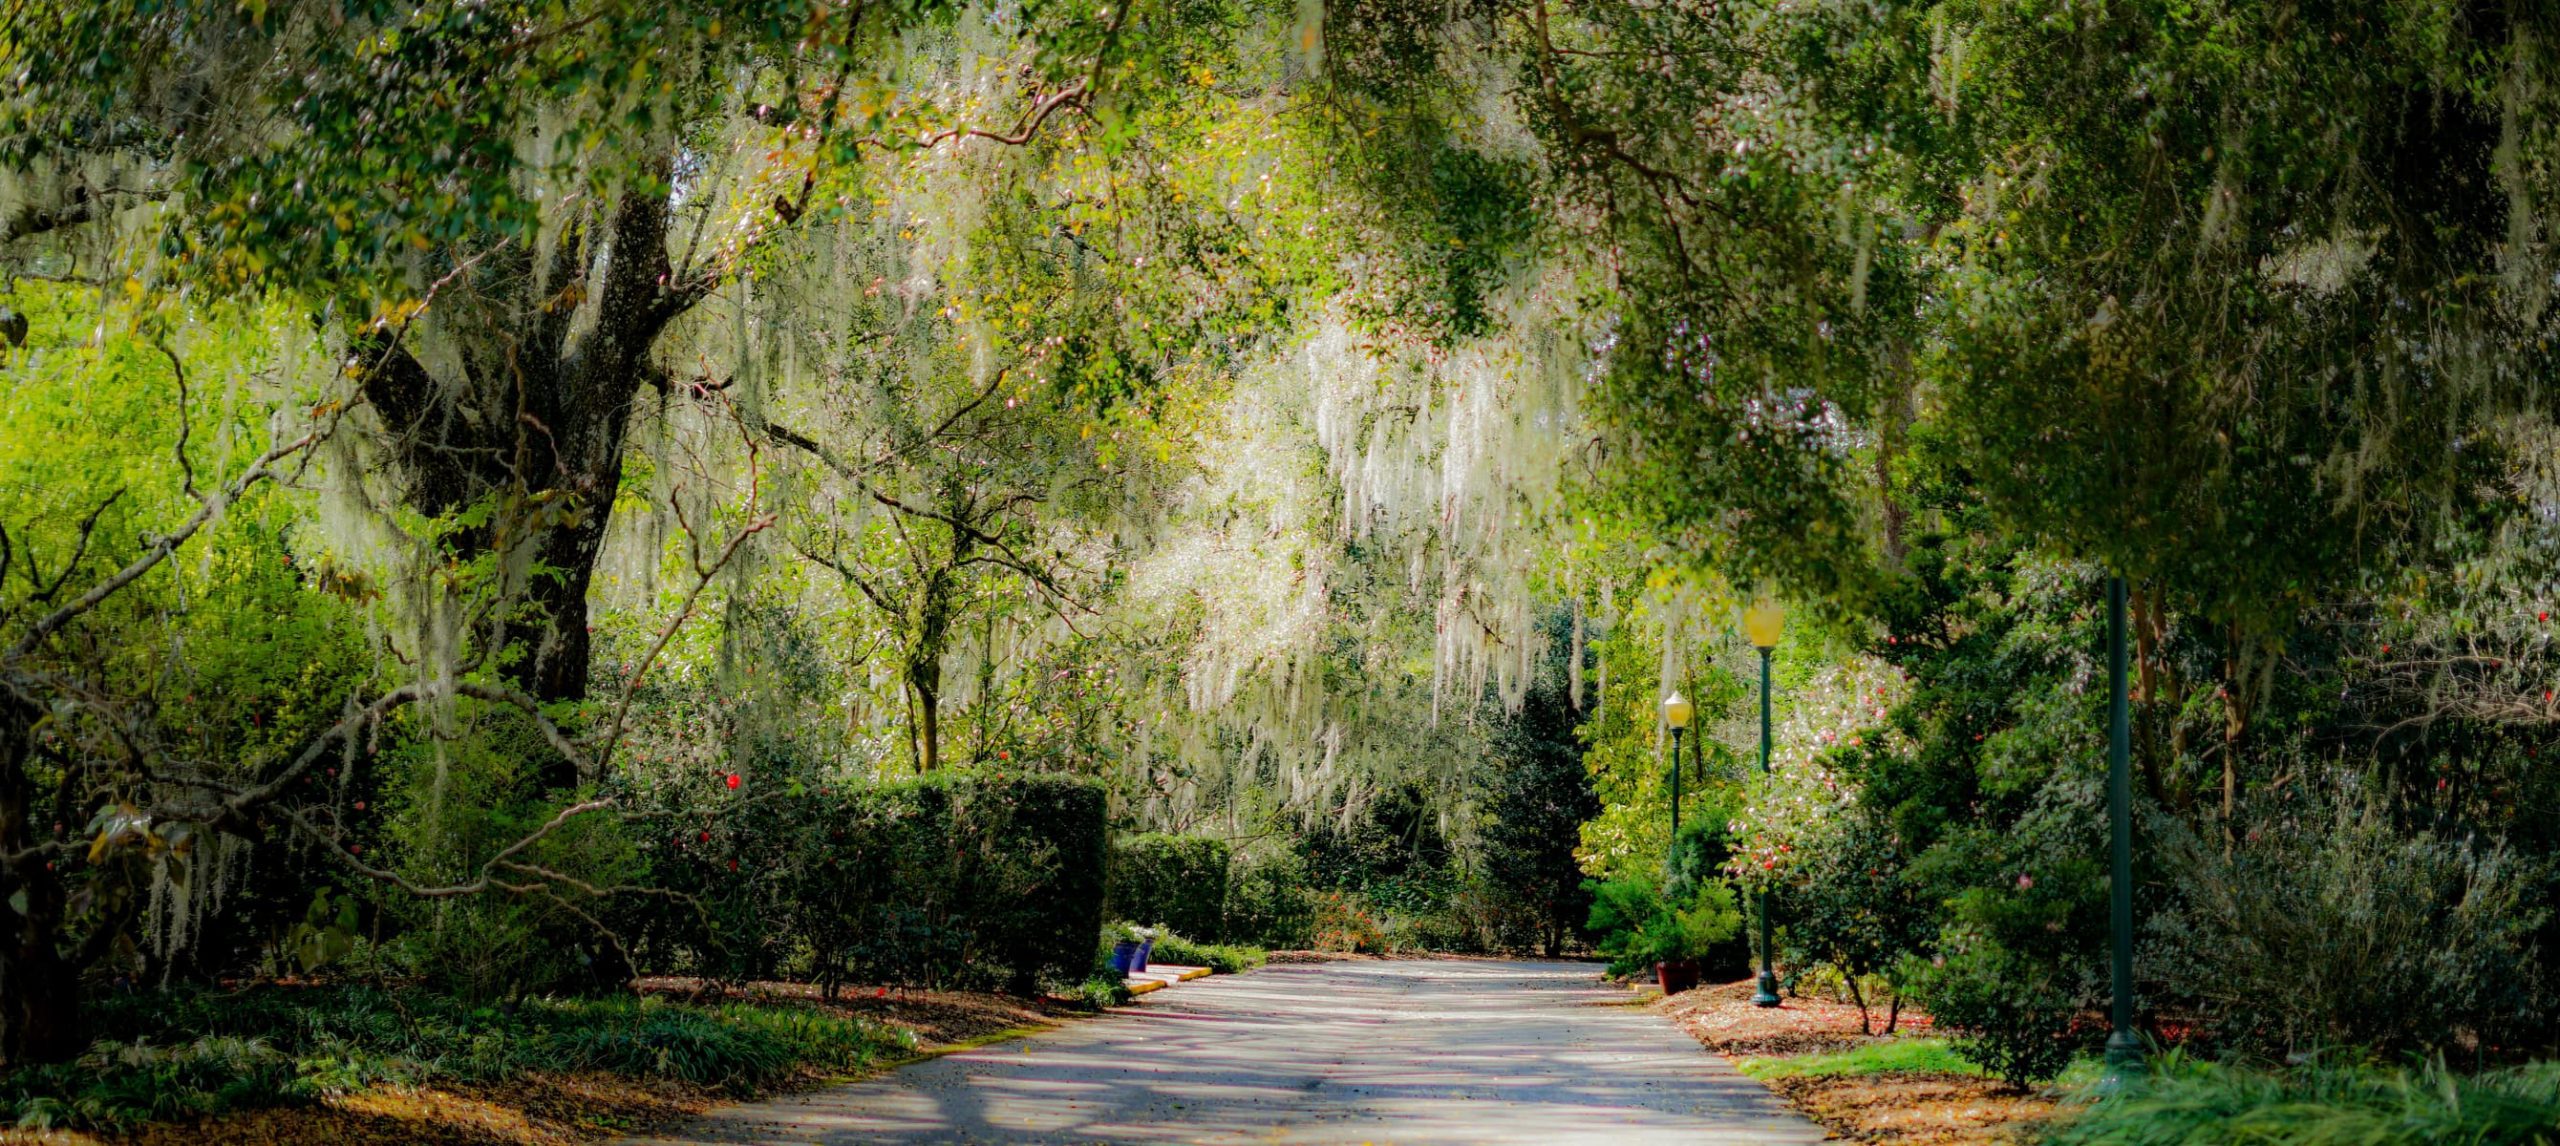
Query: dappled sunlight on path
{"points": [[1409, 1053]]}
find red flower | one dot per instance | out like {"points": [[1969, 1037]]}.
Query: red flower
{"points": [[706, 837], [733, 779]]}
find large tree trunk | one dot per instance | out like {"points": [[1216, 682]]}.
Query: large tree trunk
{"points": [[924, 667], [39, 987], [537, 420]]}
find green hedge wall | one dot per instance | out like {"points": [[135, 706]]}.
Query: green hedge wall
{"points": [[1174, 881], [1270, 901], [958, 879]]}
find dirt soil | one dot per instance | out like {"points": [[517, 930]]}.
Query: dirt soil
{"points": [[1900, 1108], [567, 1110]]}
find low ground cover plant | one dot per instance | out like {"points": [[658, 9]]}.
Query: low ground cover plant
{"points": [[2190, 1102], [195, 1053], [1223, 958]]}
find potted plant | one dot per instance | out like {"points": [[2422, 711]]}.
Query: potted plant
{"points": [[1146, 948], [1124, 948]]}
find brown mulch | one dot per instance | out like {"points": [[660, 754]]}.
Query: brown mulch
{"points": [[571, 1110], [1721, 1017], [1902, 1108]]}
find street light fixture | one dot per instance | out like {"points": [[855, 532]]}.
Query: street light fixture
{"points": [[1764, 622], [1676, 712]]}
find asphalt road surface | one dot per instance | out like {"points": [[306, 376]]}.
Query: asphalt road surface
{"points": [[1406, 1053]]}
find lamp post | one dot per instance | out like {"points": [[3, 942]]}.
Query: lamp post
{"points": [[2124, 1050], [1676, 712], [1764, 622]]}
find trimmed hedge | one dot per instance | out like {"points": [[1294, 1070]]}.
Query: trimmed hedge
{"points": [[1269, 901], [957, 879], [1170, 881]]}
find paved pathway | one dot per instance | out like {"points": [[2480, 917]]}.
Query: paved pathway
{"points": [[1412, 1053]]}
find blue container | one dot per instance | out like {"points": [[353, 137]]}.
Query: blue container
{"points": [[1124, 956], [1144, 950]]}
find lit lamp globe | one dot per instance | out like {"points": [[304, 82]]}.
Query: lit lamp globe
{"points": [[1764, 622], [1676, 710]]}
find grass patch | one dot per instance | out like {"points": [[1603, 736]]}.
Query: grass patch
{"points": [[1930, 1056], [2184, 1102], [181, 1055]]}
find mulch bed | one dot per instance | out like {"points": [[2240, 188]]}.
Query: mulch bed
{"points": [[1917, 1109], [1900, 1108], [1721, 1017]]}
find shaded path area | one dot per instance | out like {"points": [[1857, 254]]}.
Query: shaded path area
{"points": [[1404, 1053]]}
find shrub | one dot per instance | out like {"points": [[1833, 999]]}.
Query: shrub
{"points": [[1638, 927], [1344, 921], [1171, 881], [1850, 908], [2005, 1012], [1225, 959], [960, 878], [2190, 1103], [1268, 902], [2327, 925]]}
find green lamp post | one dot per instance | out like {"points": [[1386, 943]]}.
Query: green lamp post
{"points": [[1764, 622], [1676, 712], [2124, 1049]]}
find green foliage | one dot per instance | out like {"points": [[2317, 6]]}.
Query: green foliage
{"points": [[1171, 881], [2005, 1011], [1223, 958], [2191, 1102], [326, 933], [1639, 927], [1523, 888], [1890, 1056], [960, 878], [117, 1085], [185, 1054], [1269, 902], [2302, 935], [1850, 904]]}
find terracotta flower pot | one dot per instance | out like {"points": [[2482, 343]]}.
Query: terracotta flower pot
{"points": [[1677, 975]]}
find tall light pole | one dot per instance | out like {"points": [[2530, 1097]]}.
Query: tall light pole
{"points": [[1764, 622], [2124, 1049], [1676, 712]]}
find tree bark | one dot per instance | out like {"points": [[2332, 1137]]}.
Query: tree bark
{"points": [[537, 420], [924, 665], [39, 988]]}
